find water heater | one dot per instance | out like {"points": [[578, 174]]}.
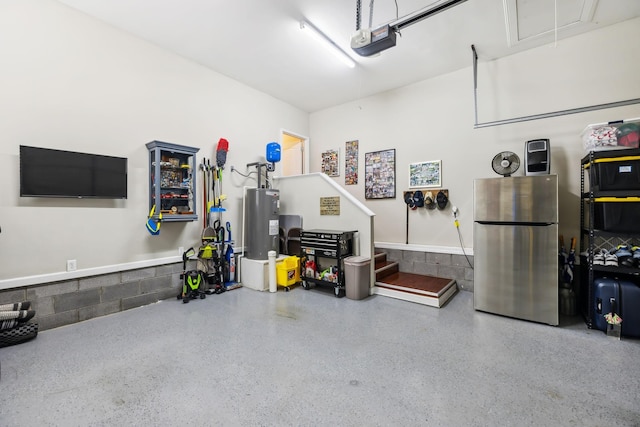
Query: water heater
{"points": [[537, 155], [262, 225]]}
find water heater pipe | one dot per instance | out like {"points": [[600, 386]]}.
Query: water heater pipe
{"points": [[244, 240], [268, 167], [535, 116], [273, 284]]}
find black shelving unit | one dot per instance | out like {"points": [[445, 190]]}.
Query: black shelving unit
{"points": [[594, 229], [328, 248]]}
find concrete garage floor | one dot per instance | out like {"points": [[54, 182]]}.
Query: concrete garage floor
{"points": [[306, 358]]}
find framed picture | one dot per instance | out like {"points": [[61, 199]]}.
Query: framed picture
{"points": [[330, 163], [351, 163], [425, 174], [380, 174]]}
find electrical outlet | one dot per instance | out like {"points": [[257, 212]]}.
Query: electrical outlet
{"points": [[180, 250], [72, 265], [232, 168]]}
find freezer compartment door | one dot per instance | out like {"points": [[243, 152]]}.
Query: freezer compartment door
{"points": [[516, 271], [516, 199]]}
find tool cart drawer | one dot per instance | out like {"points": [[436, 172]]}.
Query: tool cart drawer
{"points": [[327, 242]]}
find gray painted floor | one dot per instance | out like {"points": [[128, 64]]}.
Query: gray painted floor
{"points": [[306, 358]]}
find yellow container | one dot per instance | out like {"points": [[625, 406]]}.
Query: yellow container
{"points": [[288, 271]]}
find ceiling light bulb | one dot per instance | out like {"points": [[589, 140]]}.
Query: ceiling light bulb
{"points": [[329, 44]]}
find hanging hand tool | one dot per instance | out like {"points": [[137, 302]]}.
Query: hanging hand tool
{"points": [[221, 152], [153, 225]]}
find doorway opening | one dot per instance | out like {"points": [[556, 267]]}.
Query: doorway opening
{"points": [[295, 153]]}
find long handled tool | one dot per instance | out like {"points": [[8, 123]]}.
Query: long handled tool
{"points": [[208, 233], [203, 168], [571, 260], [230, 262], [221, 158], [212, 172]]}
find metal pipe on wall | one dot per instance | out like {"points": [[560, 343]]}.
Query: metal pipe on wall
{"points": [[535, 116]]}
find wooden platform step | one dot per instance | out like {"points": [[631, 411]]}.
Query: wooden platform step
{"points": [[428, 290]]}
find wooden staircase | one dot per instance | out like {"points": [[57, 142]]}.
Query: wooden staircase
{"points": [[428, 290]]}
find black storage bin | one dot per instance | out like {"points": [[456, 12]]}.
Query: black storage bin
{"points": [[623, 217], [617, 175]]}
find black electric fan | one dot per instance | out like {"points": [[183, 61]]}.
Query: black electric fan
{"points": [[505, 163]]}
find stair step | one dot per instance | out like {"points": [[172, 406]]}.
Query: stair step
{"points": [[380, 259], [422, 289], [380, 256], [385, 268]]}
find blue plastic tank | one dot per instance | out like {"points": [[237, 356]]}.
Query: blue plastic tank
{"points": [[273, 152]]}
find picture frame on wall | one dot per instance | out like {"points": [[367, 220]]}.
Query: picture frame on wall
{"points": [[425, 174], [330, 164], [351, 163], [380, 174]]}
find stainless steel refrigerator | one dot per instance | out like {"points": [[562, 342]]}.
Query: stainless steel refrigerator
{"points": [[515, 247]]}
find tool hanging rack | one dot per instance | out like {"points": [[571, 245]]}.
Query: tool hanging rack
{"points": [[410, 193]]}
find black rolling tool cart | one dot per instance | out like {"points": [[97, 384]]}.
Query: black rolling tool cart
{"points": [[323, 253]]}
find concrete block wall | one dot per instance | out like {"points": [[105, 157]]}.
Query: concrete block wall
{"points": [[447, 266], [62, 303]]}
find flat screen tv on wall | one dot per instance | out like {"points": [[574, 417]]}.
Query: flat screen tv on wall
{"points": [[46, 172]]}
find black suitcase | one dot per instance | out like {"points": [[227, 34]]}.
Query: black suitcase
{"points": [[621, 297], [630, 308], [606, 296]]}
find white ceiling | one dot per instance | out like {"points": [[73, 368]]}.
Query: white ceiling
{"points": [[259, 42]]}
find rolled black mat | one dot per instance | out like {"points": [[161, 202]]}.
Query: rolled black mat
{"points": [[22, 332]]}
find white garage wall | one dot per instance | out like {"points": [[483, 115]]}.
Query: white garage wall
{"points": [[433, 120], [70, 82]]}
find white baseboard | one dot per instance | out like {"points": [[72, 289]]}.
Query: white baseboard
{"points": [[96, 271]]}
